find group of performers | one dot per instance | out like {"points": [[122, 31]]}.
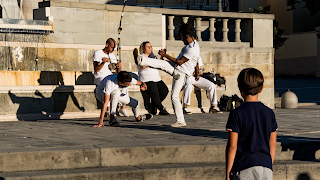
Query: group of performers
{"points": [[112, 89]]}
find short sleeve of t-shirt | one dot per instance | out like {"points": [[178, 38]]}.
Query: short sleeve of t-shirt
{"points": [[233, 124], [133, 81]]}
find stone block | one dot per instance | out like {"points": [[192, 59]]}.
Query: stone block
{"points": [[242, 58], [266, 69], [235, 69], [94, 27], [148, 19], [54, 54], [71, 55], [267, 97], [262, 24], [134, 30], [128, 18], [114, 17], [222, 69], [156, 40], [154, 30], [129, 40], [307, 171], [111, 28], [262, 42], [89, 38], [77, 26], [59, 13], [268, 82], [62, 25], [61, 37], [261, 58]]}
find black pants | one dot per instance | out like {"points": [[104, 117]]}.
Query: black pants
{"points": [[157, 92]]}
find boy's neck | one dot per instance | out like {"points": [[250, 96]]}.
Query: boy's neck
{"points": [[251, 98]]}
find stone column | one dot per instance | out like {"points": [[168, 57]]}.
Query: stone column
{"points": [[212, 29], [198, 28], [237, 30], [171, 28], [225, 30], [185, 19]]}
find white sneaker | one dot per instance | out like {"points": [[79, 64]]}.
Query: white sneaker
{"points": [[178, 124], [124, 112], [186, 110]]}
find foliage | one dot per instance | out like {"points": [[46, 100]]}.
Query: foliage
{"points": [[312, 5], [278, 40]]}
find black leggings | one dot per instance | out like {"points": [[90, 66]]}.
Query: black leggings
{"points": [[157, 91]]}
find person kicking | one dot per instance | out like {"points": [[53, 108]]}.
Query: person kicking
{"points": [[186, 64], [114, 89]]}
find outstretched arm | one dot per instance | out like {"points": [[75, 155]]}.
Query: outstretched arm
{"points": [[177, 61], [103, 111]]}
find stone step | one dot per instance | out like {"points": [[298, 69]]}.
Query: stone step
{"points": [[100, 157], [286, 170]]}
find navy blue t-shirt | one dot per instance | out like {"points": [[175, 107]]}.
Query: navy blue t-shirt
{"points": [[254, 122]]}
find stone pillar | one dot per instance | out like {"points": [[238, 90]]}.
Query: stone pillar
{"points": [[171, 28], [237, 30], [225, 30], [262, 33], [212, 29], [198, 28], [185, 19]]}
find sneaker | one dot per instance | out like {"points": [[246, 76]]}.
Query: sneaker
{"points": [[214, 110], [113, 122], [178, 124], [136, 56], [145, 117], [164, 112], [124, 112], [186, 111]]}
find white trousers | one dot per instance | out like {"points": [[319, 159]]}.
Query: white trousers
{"points": [[178, 80], [119, 96], [202, 83], [158, 64]]}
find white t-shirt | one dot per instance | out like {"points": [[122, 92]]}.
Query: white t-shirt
{"points": [[110, 83], [104, 71], [148, 74], [191, 52]]}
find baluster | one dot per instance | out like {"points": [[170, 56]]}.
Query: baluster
{"points": [[198, 28], [237, 30], [185, 19], [212, 29], [171, 28], [225, 30]]}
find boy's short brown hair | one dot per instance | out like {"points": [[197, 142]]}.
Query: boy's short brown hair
{"points": [[124, 76], [250, 80]]}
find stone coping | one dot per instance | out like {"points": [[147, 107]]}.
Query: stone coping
{"points": [[179, 12]]}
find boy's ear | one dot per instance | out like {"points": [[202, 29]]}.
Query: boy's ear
{"points": [[261, 89]]}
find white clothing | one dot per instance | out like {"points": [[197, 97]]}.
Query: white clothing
{"points": [[148, 74], [192, 53], [202, 83], [178, 80], [110, 83], [104, 71], [179, 72]]}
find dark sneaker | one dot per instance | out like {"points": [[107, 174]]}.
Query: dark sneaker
{"points": [[164, 112], [145, 117], [186, 111], [113, 122], [214, 110]]}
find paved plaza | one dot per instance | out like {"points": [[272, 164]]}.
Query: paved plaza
{"points": [[295, 125]]}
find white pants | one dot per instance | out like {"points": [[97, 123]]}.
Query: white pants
{"points": [[158, 64], [202, 83], [178, 80], [254, 173], [119, 96]]}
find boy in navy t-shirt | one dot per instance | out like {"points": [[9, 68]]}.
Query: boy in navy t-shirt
{"points": [[252, 132]]}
